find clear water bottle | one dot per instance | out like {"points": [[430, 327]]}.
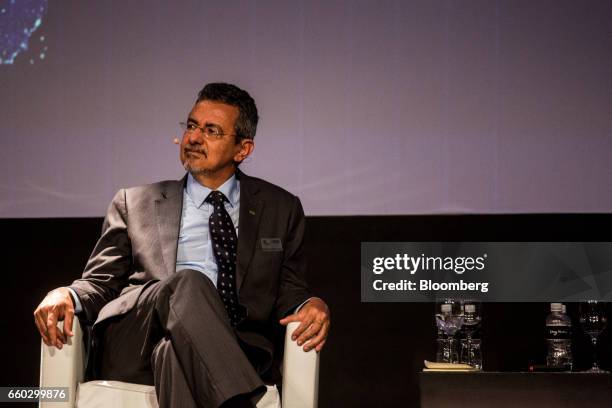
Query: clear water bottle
{"points": [[558, 338], [449, 321], [442, 350], [470, 343], [443, 354], [569, 357], [471, 321]]}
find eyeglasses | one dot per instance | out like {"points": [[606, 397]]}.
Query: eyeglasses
{"points": [[209, 132]]}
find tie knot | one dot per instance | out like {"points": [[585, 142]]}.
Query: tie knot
{"points": [[215, 198]]}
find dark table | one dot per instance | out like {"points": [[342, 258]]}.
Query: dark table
{"points": [[522, 390]]}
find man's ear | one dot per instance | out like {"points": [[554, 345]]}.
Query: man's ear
{"points": [[246, 147]]}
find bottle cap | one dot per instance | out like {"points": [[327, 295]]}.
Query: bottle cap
{"points": [[446, 308], [556, 307], [470, 308]]}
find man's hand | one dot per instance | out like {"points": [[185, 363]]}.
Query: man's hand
{"points": [[57, 305], [314, 324]]}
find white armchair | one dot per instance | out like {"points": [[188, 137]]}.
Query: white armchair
{"points": [[65, 368]]}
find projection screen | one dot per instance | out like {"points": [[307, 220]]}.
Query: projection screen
{"points": [[367, 107]]}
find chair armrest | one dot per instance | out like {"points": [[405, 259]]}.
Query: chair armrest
{"points": [[63, 368], [300, 374]]}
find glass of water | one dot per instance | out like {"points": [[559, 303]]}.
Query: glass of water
{"points": [[593, 320]]}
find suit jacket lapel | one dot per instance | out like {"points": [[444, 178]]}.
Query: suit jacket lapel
{"points": [[250, 214], [168, 210]]}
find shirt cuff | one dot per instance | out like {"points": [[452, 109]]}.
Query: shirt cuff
{"points": [[297, 309], [78, 308]]}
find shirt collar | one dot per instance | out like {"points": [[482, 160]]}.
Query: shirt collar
{"points": [[198, 192]]}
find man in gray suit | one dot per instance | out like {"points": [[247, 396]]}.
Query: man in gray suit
{"points": [[190, 279]]}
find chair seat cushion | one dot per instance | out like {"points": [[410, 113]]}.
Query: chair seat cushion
{"points": [[117, 394]]}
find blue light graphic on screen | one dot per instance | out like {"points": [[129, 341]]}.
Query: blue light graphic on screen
{"points": [[18, 22]]}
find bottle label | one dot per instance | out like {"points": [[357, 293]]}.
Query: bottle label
{"points": [[558, 332]]}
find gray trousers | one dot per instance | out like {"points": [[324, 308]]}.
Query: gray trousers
{"points": [[179, 338]]}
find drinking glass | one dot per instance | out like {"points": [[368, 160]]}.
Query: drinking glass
{"points": [[593, 320]]}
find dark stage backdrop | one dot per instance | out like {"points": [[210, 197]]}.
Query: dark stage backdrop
{"points": [[368, 107], [375, 350]]}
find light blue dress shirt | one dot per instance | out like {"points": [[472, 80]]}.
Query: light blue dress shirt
{"points": [[194, 242]]}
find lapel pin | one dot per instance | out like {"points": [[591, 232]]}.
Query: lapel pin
{"points": [[251, 212]]}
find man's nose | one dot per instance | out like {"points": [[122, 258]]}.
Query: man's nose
{"points": [[195, 137]]}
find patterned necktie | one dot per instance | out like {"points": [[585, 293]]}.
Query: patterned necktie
{"points": [[225, 243]]}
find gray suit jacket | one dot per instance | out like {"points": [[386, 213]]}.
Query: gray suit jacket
{"points": [[139, 242]]}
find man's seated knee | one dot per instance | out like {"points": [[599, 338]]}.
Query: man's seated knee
{"points": [[190, 284], [192, 276], [189, 279]]}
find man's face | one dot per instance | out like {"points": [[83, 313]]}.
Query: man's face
{"points": [[210, 157]]}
